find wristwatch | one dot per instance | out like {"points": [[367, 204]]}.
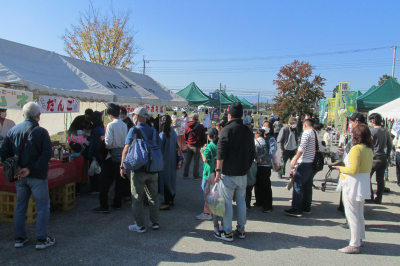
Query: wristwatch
{"points": [[217, 170], [121, 167]]}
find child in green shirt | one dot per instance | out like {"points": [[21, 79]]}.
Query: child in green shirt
{"points": [[209, 153]]}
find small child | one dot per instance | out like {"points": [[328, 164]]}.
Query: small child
{"points": [[79, 161], [208, 153]]}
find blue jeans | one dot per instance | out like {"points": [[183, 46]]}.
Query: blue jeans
{"points": [[40, 191], [203, 186], [302, 187], [234, 185]]}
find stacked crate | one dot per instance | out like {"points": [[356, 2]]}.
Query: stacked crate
{"points": [[8, 201], [63, 197]]}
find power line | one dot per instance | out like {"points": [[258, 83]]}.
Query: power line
{"points": [[271, 57]]}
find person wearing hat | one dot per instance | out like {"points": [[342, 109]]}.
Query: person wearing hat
{"points": [[288, 141], [195, 137], [141, 182], [208, 154], [235, 155]]}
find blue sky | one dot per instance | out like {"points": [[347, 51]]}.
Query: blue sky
{"points": [[242, 44]]}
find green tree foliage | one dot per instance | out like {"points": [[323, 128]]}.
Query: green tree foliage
{"points": [[383, 79], [335, 90], [103, 39], [297, 89]]}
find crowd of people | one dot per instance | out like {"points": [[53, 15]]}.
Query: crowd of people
{"points": [[235, 158]]}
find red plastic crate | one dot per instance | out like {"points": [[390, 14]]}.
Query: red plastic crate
{"points": [[59, 174]]}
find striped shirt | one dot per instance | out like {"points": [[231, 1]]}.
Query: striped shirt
{"points": [[307, 146]]}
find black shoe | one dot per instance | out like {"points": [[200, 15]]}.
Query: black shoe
{"points": [[267, 210], [100, 210], [114, 207], [19, 242], [240, 234], [255, 204], [386, 190], [171, 203], [369, 201], [224, 236], [378, 200], [345, 225], [293, 212], [42, 244], [165, 208]]}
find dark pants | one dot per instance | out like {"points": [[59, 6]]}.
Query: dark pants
{"points": [[398, 167], [110, 173], [192, 152], [379, 166], [95, 179], [168, 198], [127, 185], [249, 193], [263, 189], [302, 187], [286, 156]]}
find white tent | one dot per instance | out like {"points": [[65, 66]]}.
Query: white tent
{"points": [[46, 72], [391, 110]]}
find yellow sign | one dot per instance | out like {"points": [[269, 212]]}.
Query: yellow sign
{"points": [[331, 111]]}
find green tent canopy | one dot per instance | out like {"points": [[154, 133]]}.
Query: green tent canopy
{"points": [[368, 92], [196, 97], [378, 96], [225, 100], [246, 104], [359, 93]]}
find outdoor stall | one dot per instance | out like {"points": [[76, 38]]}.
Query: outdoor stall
{"points": [[65, 87]]}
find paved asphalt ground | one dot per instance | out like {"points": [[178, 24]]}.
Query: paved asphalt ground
{"points": [[85, 238]]}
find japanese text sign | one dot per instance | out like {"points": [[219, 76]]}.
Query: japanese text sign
{"points": [[52, 104], [14, 99]]}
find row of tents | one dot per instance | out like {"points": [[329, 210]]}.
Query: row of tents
{"points": [[196, 97]]}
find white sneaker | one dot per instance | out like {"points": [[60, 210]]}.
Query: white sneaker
{"points": [[46, 243], [204, 216], [136, 228]]}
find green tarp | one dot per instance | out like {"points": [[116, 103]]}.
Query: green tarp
{"points": [[196, 97], [225, 100], [247, 105], [378, 96]]}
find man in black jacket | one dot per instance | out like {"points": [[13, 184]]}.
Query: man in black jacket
{"points": [[235, 155]]}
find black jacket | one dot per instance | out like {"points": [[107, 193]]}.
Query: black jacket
{"points": [[236, 148]]}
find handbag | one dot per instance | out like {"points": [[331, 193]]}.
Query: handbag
{"points": [[10, 165], [318, 163]]}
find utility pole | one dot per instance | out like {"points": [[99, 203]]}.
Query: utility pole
{"points": [[220, 88], [144, 65], [258, 103], [394, 47]]}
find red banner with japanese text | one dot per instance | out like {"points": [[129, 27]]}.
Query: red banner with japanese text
{"points": [[52, 104]]}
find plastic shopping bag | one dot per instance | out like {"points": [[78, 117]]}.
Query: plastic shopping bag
{"points": [[94, 168], [278, 163], [215, 201]]}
